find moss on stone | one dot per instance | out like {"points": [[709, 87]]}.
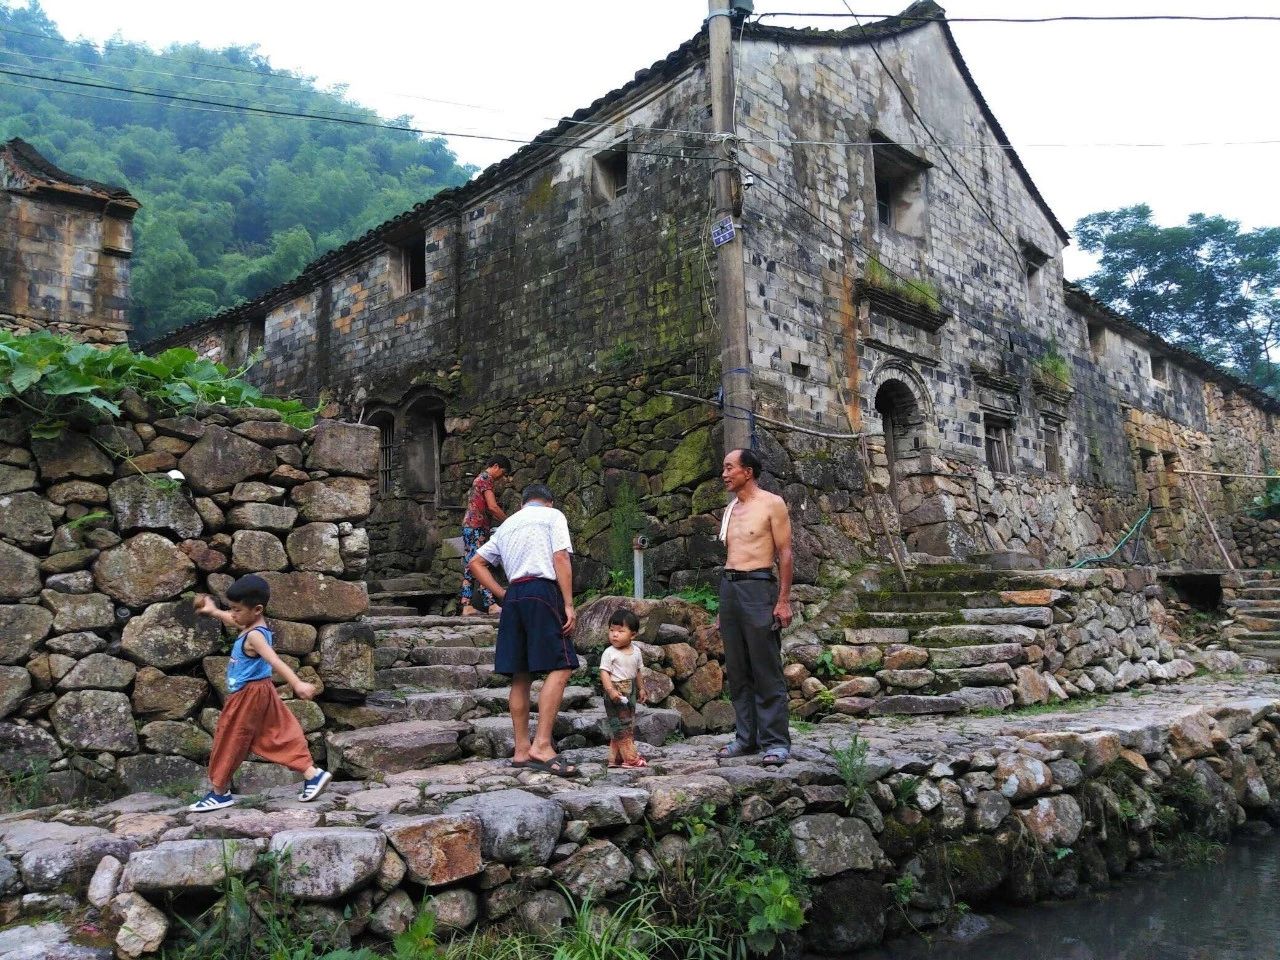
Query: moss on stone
{"points": [[689, 462]]}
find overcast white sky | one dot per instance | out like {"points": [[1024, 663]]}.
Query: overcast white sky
{"points": [[1062, 91]]}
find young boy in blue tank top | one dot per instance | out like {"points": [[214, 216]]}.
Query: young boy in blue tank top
{"points": [[254, 718]]}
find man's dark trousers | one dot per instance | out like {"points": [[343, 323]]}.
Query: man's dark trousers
{"points": [[753, 658]]}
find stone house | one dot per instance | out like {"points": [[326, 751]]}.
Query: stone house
{"points": [[65, 244], [903, 281]]}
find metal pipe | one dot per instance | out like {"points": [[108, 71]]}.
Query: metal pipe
{"points": [[638, 547]]}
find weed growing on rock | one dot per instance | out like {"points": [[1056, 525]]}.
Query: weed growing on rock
{"points": [[703, 596], [826, 666], [738, 885], [23, 789], [905, 790], [903, 888], [851, 764]]}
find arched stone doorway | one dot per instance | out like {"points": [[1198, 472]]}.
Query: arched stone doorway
{"points": [[903, 421]]}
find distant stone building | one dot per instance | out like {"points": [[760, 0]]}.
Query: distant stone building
{"points": [[65, 245], [903, 280]]}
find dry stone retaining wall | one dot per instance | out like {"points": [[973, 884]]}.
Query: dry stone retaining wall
{"points": [[107, 676]]}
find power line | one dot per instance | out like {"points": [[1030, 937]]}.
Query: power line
{"points": [[1018, 256], [198, 103], [1118, 18]]}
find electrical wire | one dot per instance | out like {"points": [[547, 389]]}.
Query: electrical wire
{"points": [[1117, 18]]}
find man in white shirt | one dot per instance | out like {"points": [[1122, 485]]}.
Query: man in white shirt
{"points": [[537, 618]]}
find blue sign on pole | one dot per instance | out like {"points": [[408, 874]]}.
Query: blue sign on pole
{"points": [[722, 231]]}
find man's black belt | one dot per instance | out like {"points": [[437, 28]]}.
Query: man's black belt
{"points": [[749, 575]]}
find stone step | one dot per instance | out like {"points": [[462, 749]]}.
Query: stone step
{"points": [[1256, 622], [879, 636], [439, 677], [914, 704], [390, 610], [926, 601], [1269, 592], [451, 656], [495, 698], [394, 747], [1269, 654], [410, 637], [896, 618], [950, 658], [1021, 616], [427, 620], [973, 634], [1261, 641], [1262, 608]]}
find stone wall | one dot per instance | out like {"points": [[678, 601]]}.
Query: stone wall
{"points": [[912, 831], [106, 674], [1257, 539]]}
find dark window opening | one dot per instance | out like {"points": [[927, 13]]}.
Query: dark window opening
{"points": [[1097, 340], [1033, 260], [256, 335], [1052, 450], [413, 263], [996, 436], [904, 424], [900, 187], [610, 174], [1159, 369], [800, 370]]}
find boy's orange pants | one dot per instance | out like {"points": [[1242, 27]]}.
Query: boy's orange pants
{"points": [[256, 719]]}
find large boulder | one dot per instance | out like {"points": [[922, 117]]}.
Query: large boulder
{"points": [[183, 865], [22, 626], [144, 569], [142, 927], [826, 844], [517, 827], [327, 863], [24, 520], [91, 720], [19, 573], [157, 696], [395, 747], [437, 849], [154, 502], [346, 660], [161, 772], [15, 684], [257, 551], [220, 459], [302, 595], [316, 547], [99, 671], [598, 869], [71, 456], [170, 635], [25, 748], [339, 447], [70, 863], [73, 612], [334, 499]]}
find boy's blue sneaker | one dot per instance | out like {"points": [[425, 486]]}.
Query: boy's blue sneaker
{"points": [[311, 788], [212, 801]]}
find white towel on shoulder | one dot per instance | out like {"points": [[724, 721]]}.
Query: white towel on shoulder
{"points": [[724, 521]]}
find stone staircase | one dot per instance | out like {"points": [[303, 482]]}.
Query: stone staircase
{"points": [[966, 638], [437, 696], [1255, 607]]}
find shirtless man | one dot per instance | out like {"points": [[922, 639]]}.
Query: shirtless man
{"points": [[755, 604]]}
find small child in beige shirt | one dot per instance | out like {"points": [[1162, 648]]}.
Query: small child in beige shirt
{"points": [[621, 668]]}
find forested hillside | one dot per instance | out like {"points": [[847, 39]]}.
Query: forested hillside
{"points": [[233, 201]]}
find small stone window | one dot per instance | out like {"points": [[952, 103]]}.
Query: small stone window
{"points": [[386, 425], [409, 266], [900, 187], [1159, 368], [424, 431], [800, 370], [255, 334], [1052, 437], [609, 174], [1097, 340], [997, 432], [117, 236], [1033, 260]]}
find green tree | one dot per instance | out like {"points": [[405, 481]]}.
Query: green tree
{"points": [[233, 202], [1205, 285]]}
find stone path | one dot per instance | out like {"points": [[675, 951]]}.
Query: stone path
{"points": [[489, 839]]}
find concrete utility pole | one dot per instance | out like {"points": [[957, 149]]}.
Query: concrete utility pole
{"points": [[731, 289]]}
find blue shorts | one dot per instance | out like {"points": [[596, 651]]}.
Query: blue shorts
{"points": [[529, 631]]}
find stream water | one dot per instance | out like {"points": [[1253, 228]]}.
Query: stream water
{"points": [[1227, 911]]}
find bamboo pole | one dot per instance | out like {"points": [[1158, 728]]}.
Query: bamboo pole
{"points": [[1240, 476], [1207, 519]]}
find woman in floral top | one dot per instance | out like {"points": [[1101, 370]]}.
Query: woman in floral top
{"points": [[483, 514]]}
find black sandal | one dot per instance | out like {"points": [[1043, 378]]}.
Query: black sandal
{"points": [[731, 750], [556, 766]]}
